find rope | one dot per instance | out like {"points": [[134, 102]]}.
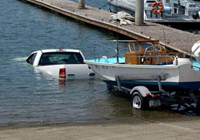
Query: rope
{"points": [[106, 4]]}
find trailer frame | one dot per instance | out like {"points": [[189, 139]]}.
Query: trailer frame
{"points": [[142, 98]]}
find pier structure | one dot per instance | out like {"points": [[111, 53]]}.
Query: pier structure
{"points": [[139, 12], [174, 39]]}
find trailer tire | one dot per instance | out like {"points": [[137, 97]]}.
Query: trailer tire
{"points": [[138, 101]]}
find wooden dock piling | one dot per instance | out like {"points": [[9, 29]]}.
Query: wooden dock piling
{"points": [[139, 12], [81, 4]]}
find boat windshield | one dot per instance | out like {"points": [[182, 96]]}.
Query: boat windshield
{"points": [[140, 47]]}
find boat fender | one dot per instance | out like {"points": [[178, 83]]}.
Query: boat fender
{"points": [[144, 92], [167, 9], [155, 9], [196, 51], [199, 14], [196, 15]]}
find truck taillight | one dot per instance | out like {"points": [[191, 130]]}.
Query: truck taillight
{"points": [[62, 73]]}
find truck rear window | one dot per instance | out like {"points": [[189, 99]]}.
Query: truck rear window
{"points": [[55, 58]]}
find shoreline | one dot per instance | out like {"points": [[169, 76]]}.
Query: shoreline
{"points": [[172, 130], [120, 121]]}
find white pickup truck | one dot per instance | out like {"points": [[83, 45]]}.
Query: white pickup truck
{"points": [[61, 63]]}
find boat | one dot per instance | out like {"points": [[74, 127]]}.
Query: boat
{"points": [[165, 11], [145, 63]]}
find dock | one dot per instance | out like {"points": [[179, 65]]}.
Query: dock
{"points": [[172, 38]]}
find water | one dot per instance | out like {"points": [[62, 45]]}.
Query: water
{"points": [[31, 98]]}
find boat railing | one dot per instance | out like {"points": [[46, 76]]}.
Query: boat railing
{"points": [[155, 49]]}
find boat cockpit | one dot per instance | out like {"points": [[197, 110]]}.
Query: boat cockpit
{"points": [[148, 53]]}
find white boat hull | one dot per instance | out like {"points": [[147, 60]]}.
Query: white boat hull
{"points": [[178, 77]]}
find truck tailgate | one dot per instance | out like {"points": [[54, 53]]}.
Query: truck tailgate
{"points": [[73, 71]]}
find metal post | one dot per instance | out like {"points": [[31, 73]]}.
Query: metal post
{"points": [[117, 79], [139, 12], [81, 4], [117, 54]]}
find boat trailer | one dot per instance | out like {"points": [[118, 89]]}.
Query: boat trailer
{"points": [[142, 98]]}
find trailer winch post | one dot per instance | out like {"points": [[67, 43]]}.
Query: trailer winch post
{"points": [[160, 85], [118, 82]]}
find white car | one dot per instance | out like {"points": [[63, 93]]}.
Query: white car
{"points": [[61, 63]]}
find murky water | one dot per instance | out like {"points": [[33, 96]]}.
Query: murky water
{"points": [[28, 97]]}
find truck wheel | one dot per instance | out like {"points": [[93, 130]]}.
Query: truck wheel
{"points": [[138, 101]]}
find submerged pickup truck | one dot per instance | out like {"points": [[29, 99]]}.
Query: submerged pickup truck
{"points": [[61, 63]]}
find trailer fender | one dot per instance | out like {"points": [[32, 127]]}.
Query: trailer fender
{"points": [[144, 92]]}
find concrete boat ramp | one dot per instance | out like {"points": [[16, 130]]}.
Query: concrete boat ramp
{"points": [[174, 39]]}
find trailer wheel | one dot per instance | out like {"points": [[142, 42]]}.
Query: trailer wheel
{"points": [[197, 108], [138, 101]]}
